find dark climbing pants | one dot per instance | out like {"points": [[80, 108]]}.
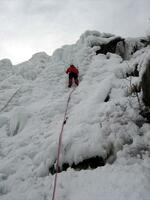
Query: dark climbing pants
{"points": [[71, 77]]}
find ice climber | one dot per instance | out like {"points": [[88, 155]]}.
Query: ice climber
{"points": [[73, 74]]}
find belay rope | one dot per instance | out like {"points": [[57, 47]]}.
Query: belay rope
{"points": [[59, 145], [9, 100]]}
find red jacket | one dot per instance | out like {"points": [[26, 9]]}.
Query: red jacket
{"points": [[73, 69]]}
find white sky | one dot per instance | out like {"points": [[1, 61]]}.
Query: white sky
{"points": [[30, 26]]}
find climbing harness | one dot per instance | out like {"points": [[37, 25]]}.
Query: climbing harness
{"points": [[9, 100], [59, 145]]}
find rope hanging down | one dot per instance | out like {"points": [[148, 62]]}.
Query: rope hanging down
{"points": [[59, 145], [9, 100]]}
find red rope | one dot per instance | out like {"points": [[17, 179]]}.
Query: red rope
{"points": [[59, 145]]}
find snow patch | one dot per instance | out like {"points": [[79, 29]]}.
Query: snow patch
{"points": [[18, 121]]}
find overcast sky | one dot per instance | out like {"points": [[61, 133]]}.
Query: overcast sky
{"points": [[30, 26]]}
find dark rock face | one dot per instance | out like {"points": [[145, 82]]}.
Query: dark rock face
{"points": [[145, 41], [134, 73], [91, 163], [109, 47], [123, 47], [146, 85]]}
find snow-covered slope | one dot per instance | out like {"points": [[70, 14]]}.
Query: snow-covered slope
{"points": [[103, 120]]}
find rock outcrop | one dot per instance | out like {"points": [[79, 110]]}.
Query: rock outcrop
{"points": [[146, 84]]}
